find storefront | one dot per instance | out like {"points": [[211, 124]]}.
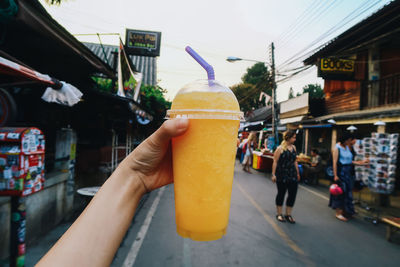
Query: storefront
{"points": [[74, 135]]}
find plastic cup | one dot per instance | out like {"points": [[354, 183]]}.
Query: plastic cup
{"points": [[204, 159]]}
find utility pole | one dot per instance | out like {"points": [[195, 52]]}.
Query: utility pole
{"points": [[274, 104]]}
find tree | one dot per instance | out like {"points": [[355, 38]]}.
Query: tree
{"points": [[245, 94], [257, 79], [291, 93], [152, 99], [259, 76], [315, 91]]}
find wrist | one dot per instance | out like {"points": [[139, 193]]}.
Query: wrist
{"points": [[130, 180]]}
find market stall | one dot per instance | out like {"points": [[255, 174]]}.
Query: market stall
{"points": [[262, 161]]}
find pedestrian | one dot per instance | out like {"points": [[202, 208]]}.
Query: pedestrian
{"points": [[94, 238], [343, 166], [248, 148], [310, 171], [285, 173]]}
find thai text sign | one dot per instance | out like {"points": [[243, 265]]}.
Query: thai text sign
{"points": [[143, 43]]}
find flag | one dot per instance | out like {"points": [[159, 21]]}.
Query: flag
{"points": [[128, 81]]}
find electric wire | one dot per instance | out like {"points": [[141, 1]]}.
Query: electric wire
{"points": [[298, 20], [327, 9], [320, 5], [342, 23]]}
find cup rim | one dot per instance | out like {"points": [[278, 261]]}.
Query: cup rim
{"points": [[205, 114]]}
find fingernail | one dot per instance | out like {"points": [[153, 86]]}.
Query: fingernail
{"points": [[182, 123]]}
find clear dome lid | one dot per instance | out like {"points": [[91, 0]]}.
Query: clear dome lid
{"points": [[205, 99]]}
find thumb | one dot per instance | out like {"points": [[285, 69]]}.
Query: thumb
{"points": [[169, 129]]}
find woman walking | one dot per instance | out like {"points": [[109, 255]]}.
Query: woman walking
{"points": [[343, 164], [285, 172], [248, 147]]}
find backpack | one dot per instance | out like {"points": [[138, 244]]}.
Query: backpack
{"points": [[244, 147]]}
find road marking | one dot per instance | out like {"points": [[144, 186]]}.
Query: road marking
{"points": [[277, 229], [187, 261], [315, 193], [134, 250]]}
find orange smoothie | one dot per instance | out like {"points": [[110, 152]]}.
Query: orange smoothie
{"points": [[203, 165]]}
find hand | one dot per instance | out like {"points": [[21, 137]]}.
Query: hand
{"points": [[298, 177], [366, 161], [152, 159], [336, 178], [273, 178]]}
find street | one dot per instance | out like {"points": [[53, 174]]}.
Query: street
{"points": [[255, 237]]}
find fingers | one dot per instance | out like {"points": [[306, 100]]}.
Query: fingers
{"points": [[169, 129]]}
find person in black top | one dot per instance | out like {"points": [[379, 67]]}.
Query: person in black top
{"points": [[285, 172]]}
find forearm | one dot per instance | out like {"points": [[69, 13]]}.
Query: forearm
{"points": [[102, 225], [274, 168], [297, 167]]}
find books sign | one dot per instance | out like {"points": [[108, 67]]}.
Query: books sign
{"points": [[336, 68]]}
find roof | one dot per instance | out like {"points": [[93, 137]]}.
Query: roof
{"points": [[145, 65], [35, 38], [260, 114], [375, 113], [378, 27]]}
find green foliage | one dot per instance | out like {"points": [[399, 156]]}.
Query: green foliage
{"points": [[315, 91], [291, 93], [152, 99], [54, 2], [105, 84], [259, 76], [247, 95], [257, 79]]}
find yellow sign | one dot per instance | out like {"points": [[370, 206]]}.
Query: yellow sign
{"points": [[337, 65]]}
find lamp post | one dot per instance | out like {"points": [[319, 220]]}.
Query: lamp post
{"points": [[275, 122]]}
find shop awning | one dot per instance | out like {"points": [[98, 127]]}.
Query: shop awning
{"points": [[8, 67], [291, 120], [57, 92], [280, 129], [316, 126], [251, 125], [387, 114]]}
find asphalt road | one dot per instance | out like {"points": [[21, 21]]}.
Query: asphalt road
{"points": [[254, 237]]}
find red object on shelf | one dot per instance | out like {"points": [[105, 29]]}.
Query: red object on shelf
{"points": [[22, 153]]}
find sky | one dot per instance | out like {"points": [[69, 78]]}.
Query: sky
{"points": [[217, 29]]}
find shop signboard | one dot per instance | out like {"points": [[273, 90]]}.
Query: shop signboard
{"points": [[143, 43], [336, 69]]}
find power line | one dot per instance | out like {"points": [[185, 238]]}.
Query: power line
{"points": [[312, 20], [294, 74], [297, 20], [320, 5], [325, 35], [342, 23]]}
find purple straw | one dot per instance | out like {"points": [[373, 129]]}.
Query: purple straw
{"points": [[209, 69]]}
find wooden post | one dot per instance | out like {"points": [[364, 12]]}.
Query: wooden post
{"points": [[306, 142]]}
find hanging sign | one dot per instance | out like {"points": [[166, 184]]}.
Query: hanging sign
{"points": [[143, 43], [336, 68]]}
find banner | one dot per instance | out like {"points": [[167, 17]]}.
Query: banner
{"points": [[128, 81]]}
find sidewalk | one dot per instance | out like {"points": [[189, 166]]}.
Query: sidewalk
{"points": [[36, 250], [367, 202]]}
